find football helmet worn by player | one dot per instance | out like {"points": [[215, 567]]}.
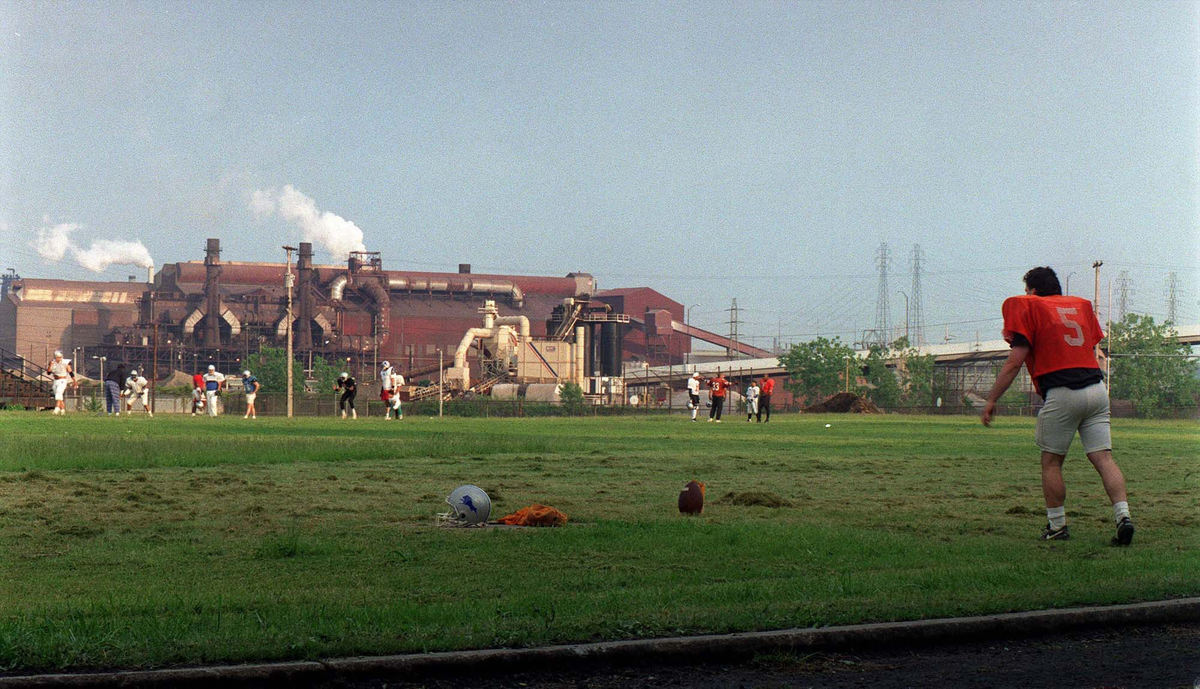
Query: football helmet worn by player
{"points": [[469, 506]]}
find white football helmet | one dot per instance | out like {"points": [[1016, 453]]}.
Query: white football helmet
{"points": [[469, 506]]}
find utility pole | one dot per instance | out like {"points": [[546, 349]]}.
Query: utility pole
{"points": [[1096, 302], [154, 366], [441, 377], [287, 281], [1108, 329]]}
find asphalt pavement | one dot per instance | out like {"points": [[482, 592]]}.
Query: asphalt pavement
{"points": [[1140, 645]]}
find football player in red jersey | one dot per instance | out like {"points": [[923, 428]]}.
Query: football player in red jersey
{"points": [[1055, 337], [717, 387], [766, 387]]}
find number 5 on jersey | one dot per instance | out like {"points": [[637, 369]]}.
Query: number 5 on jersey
{"points": [[1065, 314]]}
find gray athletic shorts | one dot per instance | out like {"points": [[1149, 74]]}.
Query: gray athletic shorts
{"points": [[1067, 411]]}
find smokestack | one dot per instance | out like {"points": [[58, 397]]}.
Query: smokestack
{"points": [[302, 327], [150, 274], [212, 294]]}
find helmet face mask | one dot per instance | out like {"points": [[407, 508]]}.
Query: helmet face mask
{"points": [[469, 506]]}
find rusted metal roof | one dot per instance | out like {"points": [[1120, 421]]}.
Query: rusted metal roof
{"points": [[77, 291]]}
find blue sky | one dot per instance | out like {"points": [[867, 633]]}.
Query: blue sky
{"points": [[711, 150]]}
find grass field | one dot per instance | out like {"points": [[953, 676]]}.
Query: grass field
{"points": [[150, 542]]}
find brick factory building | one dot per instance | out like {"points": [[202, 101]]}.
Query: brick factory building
{"points": [[354, 315]]}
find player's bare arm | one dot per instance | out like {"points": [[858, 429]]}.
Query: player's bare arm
{"points": [[1008, 373]]}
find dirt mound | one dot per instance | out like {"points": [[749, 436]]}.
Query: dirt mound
{"points": [[754, 497], [177, 379], [844, 403]]}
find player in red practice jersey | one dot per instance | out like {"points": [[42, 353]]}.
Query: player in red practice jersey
{"points": [[1055, 337], [717, 387], [197, 393], [766, 387]]}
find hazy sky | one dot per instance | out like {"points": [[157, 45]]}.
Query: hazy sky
{"points": [[710, 150]]}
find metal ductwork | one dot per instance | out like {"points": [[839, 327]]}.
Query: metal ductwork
{"points": [[459, 285], [521, 322], [428, 285], [337, 287], [383, 306]]}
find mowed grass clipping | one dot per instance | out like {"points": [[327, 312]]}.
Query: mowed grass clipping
{"points": [[152, 542]]}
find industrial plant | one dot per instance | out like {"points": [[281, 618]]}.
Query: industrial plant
{"points": [[471, 331]]}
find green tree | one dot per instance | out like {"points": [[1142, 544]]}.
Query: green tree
{"points": [[270, 367], [882, 387], [921, 382], [1150, 368], [817, 369], [572, 397], [324, 374]]}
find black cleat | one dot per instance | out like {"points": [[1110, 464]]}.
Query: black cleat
{"points": [[1051, 534], [1124, 532]]}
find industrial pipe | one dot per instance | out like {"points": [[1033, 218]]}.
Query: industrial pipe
{"points": [[383, 305], [522, 322], [446, 285], [460, 354], [579, 355], [336, 287], [424, 284]]}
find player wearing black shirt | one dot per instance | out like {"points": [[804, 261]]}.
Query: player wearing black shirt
{"points": [[349, 388]]}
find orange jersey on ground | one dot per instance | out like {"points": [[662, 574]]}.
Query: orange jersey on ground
{"points": [[1063, 331]]}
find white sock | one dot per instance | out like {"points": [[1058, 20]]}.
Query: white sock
{"points": [[1120, 511], [1057, 516]]}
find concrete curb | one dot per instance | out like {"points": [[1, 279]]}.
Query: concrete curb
{"points": [[715, 647]]}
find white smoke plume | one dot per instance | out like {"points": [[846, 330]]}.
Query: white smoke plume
{"points": [[107, 252], [54, 242], [336, 234]]}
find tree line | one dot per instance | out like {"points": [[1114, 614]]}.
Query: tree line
{"points": [[1149, 367]]}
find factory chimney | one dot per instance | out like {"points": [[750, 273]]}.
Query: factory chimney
{"points": [[302, 326], [212, 294]]}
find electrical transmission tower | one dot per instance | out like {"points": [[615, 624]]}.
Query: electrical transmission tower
{"points": [[732, 351], [1122, 295], [917, 317], [1172, 295], [882, 324]]}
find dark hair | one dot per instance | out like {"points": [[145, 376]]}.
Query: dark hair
{"points": [[1043, 281]]}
